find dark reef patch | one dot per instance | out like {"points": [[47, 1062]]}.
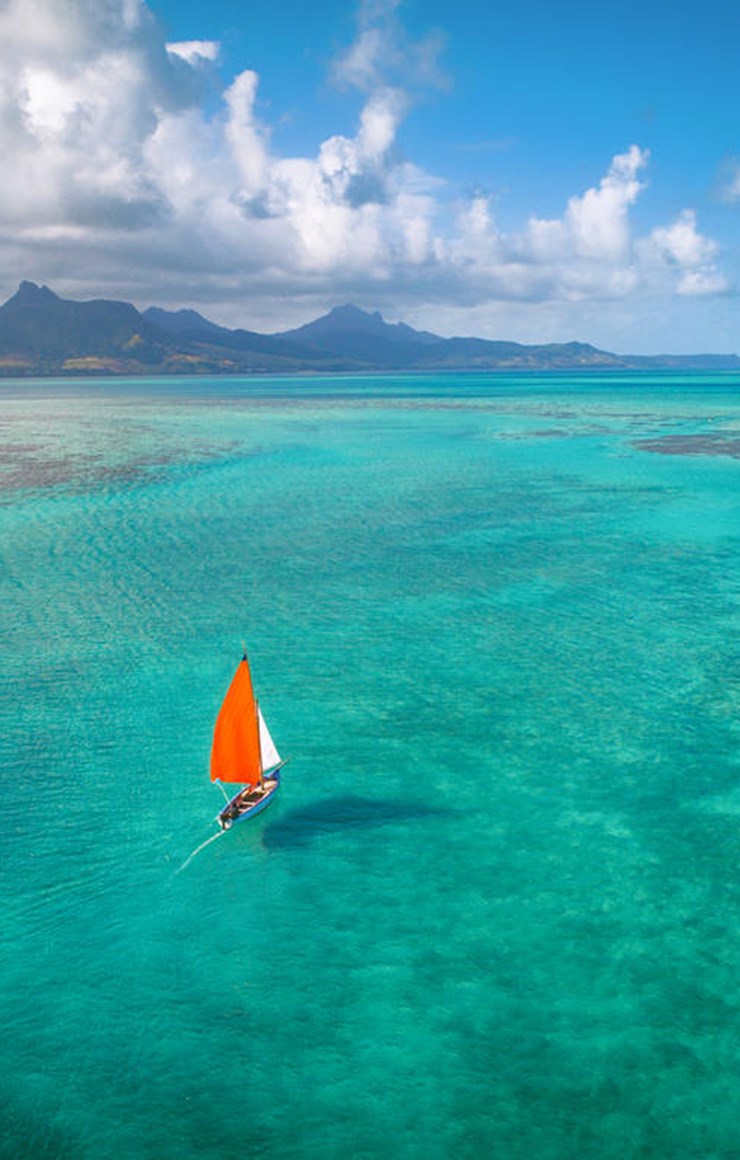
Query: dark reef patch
{"points": [[706, 444]]}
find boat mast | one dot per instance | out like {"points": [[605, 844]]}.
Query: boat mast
{"points": [[259, 742], [257, 717]]}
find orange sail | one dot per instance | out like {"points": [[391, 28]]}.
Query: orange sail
{"points": [[235, 756]]}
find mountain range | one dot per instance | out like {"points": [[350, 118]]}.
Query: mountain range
{"points": [[43, 334]]}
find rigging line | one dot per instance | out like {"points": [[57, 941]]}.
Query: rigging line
{"points": [[198, 849]]}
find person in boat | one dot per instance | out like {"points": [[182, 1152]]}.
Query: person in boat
{"points": [[245, 799], [252, 795]]}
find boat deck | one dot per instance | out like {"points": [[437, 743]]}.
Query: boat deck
{"points": [[247, 802]]}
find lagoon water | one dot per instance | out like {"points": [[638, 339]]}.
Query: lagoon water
{"points": [[495, 909]]}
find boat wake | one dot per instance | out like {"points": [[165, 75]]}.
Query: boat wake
{"points": [[198, 849]]}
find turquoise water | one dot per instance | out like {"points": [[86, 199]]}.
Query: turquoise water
{"points": [[495, 909]]}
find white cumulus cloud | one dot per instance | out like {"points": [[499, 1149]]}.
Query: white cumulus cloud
{"points": [[193, 51], [597, 221], [680, 245]]}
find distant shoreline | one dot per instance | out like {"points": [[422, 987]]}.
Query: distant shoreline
{"points": [[45, 336]]}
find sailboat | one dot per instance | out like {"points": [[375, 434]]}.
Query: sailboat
{"points": [[243, 752]]}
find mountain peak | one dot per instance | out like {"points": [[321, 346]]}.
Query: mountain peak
{"points": [[352, 333], [354, 317], [30, 294], [181, 321], [349, 310]]}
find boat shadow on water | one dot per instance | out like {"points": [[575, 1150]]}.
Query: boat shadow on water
{"points": [[299, 827]]}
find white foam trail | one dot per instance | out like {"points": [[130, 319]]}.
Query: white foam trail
{"points": [[202, 846]]}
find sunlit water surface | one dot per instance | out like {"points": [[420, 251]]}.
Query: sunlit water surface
{"points": [[495, 909]]}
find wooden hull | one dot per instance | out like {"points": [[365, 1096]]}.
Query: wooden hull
{"points": [[246, 805]]}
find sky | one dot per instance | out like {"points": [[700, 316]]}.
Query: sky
{"points": [[534, 172]]}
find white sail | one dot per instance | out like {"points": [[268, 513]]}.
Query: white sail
{"points": [[268, 749]]}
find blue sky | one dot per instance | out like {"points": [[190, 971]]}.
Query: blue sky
{"points": [[537, 172]]}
